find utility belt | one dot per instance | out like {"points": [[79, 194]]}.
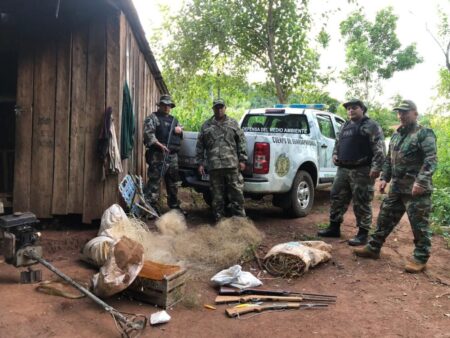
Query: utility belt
{"points": [[353, 166], [151, 150], [172, 149]]}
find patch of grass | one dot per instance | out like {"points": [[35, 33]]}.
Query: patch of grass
{"points": [[322, 225], [443, 231], [249, 254], [304, 237], [321, 210]]}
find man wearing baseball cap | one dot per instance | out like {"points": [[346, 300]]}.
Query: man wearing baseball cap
{"points": [[222, 147], [359, 153], [409, 167], [162, 138]]}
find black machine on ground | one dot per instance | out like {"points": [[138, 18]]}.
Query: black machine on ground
{"points": [[19, 244]]}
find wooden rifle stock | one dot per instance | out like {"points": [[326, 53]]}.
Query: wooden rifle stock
{"points": [[237, 311], [256, 298]]}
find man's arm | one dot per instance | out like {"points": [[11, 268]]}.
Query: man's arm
{"points": [[376, 139], [427, 142], [200, 149], [241, 146], [386, 173], [178, 128], [150, 124]]}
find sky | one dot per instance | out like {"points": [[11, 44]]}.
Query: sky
{"points": [[417, 84]]}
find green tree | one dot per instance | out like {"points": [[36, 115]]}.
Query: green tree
{"points": [[271, 34], [373, 52], [442, 39]]}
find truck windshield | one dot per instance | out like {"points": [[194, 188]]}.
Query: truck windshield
{"points": [[293, 124]]}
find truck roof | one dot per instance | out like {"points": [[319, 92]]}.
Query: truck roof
{"points": [[284, 110]]}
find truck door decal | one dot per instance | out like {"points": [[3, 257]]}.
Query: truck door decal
{"points": [[282, 165]]}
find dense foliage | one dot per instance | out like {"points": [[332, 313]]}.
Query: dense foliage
{"points": [[373, 52], [440, 217], [270, 34]]}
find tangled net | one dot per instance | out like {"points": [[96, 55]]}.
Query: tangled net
{"points": [[284, 265]]}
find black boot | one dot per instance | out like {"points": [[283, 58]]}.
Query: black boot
{"points": [[333, 230], [360, 238]]}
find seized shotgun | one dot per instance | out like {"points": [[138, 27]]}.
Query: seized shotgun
{"points": [[248, 308], [166, 154], [306, 296], [256, 298]]}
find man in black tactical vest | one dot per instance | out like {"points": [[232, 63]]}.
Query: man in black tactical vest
{"points": [[359, 153], [162, 138]]}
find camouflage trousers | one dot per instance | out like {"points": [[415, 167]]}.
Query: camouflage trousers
{"points": [[352, 184], [418, 209], [227, 185], [155, 162]]}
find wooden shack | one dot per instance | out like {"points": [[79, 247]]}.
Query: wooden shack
{"points": [[62, 63]]}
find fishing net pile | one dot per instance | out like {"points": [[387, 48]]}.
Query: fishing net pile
{"points": [[203, 249]]}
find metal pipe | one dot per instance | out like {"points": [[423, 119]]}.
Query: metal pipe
{"points": [[133, 325]]}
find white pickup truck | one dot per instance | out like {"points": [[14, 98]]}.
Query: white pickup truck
{"points": [[289, 154]]}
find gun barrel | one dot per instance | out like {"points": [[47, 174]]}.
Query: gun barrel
{"points": [[256, 298], [307, 296]]}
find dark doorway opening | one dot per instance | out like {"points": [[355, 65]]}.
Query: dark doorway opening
{"points": [[8, 88]]}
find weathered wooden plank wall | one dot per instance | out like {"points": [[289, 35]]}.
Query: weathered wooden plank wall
{"points": [[95, 108], [62, 124], [113, 93], [24, 128], [42, 158], [65, 84], [77, 118]]}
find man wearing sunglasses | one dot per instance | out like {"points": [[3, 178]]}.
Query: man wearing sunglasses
{"points": [[359, 154]]}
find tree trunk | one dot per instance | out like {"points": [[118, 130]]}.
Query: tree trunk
{"points": [[270, 52]]}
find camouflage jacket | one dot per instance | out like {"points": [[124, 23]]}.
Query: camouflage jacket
{"points": [[150, 124], [373, 131], [411, 159], [221, 144]]}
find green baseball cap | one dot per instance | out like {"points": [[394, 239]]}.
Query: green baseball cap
{"points": [[406, 105], [218, 102], [357, 102], [166, 100]]}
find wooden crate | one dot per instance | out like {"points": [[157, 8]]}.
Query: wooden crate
{"points": [[164, 293]]}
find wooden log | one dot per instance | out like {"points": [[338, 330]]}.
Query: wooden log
{"points": [[24, 123], [43, 129], [62, 124]]}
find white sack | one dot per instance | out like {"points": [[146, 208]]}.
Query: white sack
{"points": [[111, 216], [234, 276]]}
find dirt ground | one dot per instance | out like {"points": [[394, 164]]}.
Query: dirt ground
{"points": [[375, 298]]}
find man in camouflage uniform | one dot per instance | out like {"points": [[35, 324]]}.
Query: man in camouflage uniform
{"points": [[221, 145], [161, 155], [359, 153], [409, 166]]}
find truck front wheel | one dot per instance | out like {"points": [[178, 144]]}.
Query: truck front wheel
{"points": [[302, 194]]}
